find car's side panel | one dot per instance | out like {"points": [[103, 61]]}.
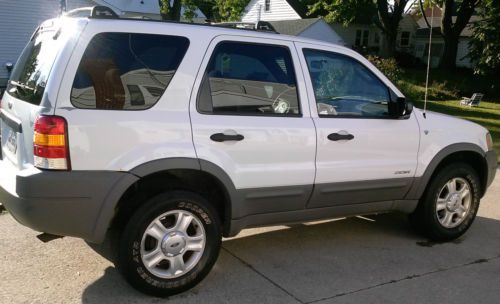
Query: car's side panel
{"points": [[421, 182], [120, 140], [276, 151], [349, 193], [378, 164]]}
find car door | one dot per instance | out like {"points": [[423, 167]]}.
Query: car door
{"points": [[250, 117], [364, 155]]}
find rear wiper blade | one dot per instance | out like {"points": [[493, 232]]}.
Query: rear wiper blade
{"points": [[21, 85]]}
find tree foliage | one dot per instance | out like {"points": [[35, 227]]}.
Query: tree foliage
{"points": [[230, 10], [383, 13], [485, 43], [215, 10], [344, 11]]}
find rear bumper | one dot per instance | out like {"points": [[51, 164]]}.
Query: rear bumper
{"points": [[60, 203], [491, 159]]}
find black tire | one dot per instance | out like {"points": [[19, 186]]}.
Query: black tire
{"points": [[129, 260], [425, 219]]}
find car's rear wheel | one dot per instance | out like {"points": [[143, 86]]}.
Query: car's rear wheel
{"points": [[449, 204], [170, 244]]}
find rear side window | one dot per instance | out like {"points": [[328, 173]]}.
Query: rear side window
{"points": [[249, 79], [31, 72], [124, 71]]}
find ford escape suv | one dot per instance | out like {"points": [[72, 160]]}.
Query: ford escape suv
{"points": [[174, 135]]}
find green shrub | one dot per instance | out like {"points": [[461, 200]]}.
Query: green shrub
{"points": [[388, 66]]}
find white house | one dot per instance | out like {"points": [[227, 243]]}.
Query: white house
{"points": [[314, 28], [289, 17], [437, 46]]}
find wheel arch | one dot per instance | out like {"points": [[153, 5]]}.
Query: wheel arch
{"points": [[468, 153], [164, 174]]}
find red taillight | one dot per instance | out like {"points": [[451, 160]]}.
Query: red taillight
{"points": [[50, 143]]}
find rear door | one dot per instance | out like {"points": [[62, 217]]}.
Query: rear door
{"points": [[363, 154], [250, 117]]}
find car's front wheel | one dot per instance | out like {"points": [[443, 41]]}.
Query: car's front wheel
{"points": [[449, 204], [170, 244]]}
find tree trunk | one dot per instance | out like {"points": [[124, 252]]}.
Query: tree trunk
{"points": [[170, 12], [449, 58], [389, 49], [451, 30]]}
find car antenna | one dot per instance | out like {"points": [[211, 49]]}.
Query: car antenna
{"points": [[429, 53]]}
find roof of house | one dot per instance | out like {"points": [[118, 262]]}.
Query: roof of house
{"points": [[293, 27]]}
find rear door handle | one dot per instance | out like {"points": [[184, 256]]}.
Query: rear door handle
{"points": [[220, 137], [337, 136]]}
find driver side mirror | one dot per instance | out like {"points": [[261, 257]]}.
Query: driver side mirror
{"points": [[400, 108]]}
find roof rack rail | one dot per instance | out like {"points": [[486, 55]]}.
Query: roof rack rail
{"points": [[103, 12], [96, 12], [259, 26]]}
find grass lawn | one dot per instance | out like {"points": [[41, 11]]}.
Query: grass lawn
{"points": [[446, 88], [486, 114]]}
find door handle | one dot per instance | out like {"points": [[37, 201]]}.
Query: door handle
{"points": [[220, 137], [337, 136]]}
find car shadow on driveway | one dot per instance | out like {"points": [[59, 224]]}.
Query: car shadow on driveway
{"points": [[324, 261]]}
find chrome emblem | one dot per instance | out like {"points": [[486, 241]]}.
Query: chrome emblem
{"points": [[9, 104]]}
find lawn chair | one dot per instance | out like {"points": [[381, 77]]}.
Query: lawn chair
{"points": [[473, 101]]}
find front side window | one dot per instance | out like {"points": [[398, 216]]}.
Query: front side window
{"points": [[124, 71], [249, 79], [343, 87]]}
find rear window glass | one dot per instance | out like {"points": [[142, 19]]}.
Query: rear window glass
{"points": [[31, 72], [123, 71]]}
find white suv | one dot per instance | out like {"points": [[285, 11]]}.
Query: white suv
{"points": [[174, 135]]}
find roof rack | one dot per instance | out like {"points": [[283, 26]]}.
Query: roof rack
{"points": [[259, 26], [104, 12], [96, 12]]}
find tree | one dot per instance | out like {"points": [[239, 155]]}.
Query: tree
{"points": [[230, 10], [485, 43], [385, 14], [451, 30], [170, 9], [389, 17], [215, 10]]}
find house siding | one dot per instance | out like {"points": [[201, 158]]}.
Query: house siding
{"points": [[348, 34], [279, 10], [18, 21], [322, 31], [462, 52]]}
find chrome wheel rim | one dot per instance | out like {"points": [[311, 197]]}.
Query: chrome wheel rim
{"points": [[173, 244], [453, 202]]}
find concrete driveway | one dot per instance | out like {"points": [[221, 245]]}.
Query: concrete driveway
{"points": [[375, 260]]}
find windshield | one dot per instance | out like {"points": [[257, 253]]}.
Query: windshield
{"points": [[32, 69]]}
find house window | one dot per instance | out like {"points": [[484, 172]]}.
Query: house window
{"points": [[405, 39], [267, 5], [376, 38], [362, 38], [358, 38], [365, 37]]}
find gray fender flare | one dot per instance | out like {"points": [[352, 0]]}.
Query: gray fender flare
{"points": [[107, 211], [420, 183]]}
